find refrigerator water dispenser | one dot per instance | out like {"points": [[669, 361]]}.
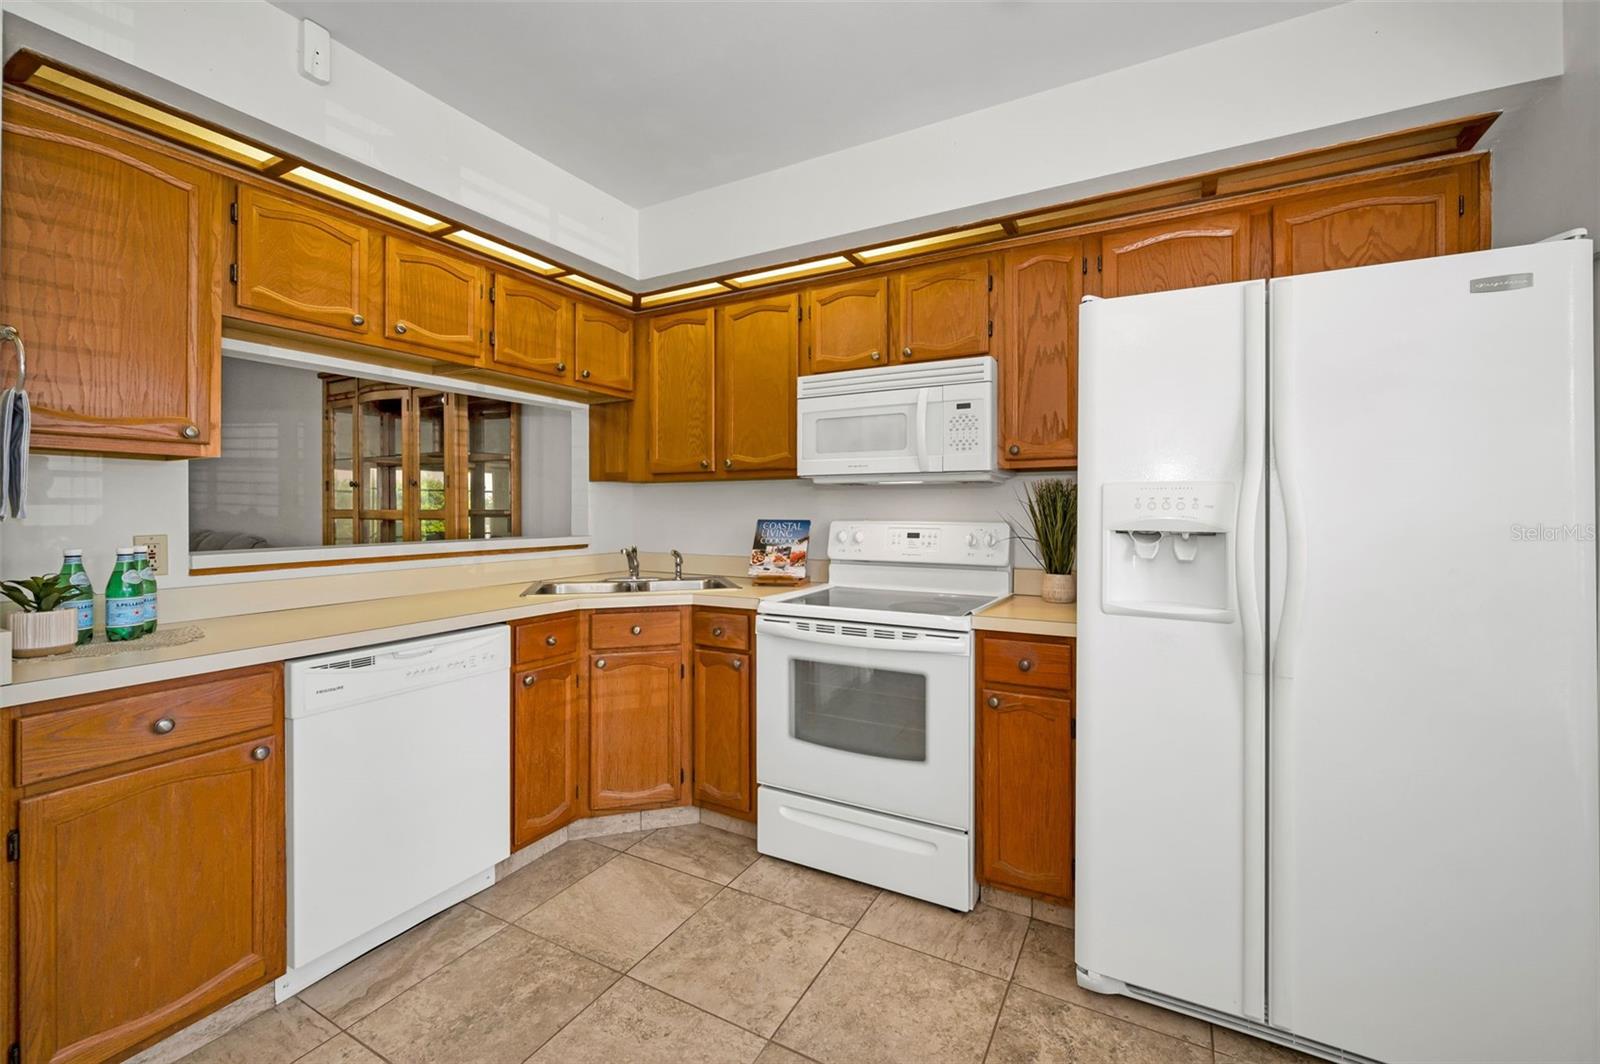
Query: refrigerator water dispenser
{"points": [[1168, 550]]}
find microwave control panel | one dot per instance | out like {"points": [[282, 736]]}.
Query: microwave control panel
{"points": [[931, 542]]}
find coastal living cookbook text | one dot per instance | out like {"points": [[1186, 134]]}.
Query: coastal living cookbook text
{"points": [[778, 555]]}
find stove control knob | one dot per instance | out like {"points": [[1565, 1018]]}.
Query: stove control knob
{"points": [[972, 539], [844, 535], [989, 540], [859, 537]]}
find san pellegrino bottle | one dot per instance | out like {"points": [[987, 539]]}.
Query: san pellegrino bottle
{"points": [[148, 574], [74, 575], [125, 597]]}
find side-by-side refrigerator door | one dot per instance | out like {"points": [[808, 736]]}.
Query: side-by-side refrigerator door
{"points": [[1433, 800], [1170, 682]]}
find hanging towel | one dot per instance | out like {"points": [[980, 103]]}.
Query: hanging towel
{"points": [[16, 421]]}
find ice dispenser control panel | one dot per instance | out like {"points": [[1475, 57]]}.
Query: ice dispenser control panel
{"points": [[1169, 549]]}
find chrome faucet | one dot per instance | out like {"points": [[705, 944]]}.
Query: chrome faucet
{"points": [[677, 566], [632, 554]]}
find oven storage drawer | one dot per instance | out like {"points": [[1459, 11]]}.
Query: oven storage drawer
{"points": [[904, 856]]}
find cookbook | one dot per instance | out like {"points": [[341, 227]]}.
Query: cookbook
{"points": [[778, 555]]}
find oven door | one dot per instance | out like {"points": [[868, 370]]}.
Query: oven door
{"points": [[875, 716], [868, 433]]}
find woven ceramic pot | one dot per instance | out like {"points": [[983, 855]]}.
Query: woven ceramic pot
{"points": [[1059, 587]]}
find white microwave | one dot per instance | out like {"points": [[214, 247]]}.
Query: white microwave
{"points": [[908, 424]]}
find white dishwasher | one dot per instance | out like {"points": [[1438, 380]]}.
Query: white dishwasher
{"points": [[399, 783]]}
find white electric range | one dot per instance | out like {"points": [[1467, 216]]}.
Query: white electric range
{"points": [[865, 706]]}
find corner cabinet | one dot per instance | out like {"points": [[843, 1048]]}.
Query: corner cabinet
{"points": [[111, 274], [434, 302]]}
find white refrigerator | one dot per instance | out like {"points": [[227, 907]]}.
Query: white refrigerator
{"points": [[1337, 725]]}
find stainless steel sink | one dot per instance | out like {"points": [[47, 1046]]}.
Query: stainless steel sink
{"points": [[619, 584]]}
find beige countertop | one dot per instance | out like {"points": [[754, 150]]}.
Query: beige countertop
{"points": [[252, 639], [1030, 614]]}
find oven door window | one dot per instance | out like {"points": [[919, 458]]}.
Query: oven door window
{"points": [[872, 711]]}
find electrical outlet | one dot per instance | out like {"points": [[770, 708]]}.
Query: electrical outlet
{"points": [[159, 543]]}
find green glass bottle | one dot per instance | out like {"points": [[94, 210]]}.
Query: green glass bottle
{"points": [[125, 597], [75, 576], [148, 574]]}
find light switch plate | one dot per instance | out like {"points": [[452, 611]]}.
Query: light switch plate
{"points": [[160, 545]]}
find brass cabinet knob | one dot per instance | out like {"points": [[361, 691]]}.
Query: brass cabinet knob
{"points": [[705, 464], [190, 432], [738, 664], [636, 630], [163, 726], [400, 327], [727, 463], [1013, 450], [876, 356], [549, 640], [600, 663], [584, 374], [261, 753], [994, 701], [527, 681], [561, 367], [1025, 665], [716, 633], [905, 352], [357, 319]]}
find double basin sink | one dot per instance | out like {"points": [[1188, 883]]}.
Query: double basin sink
{"points": [[620, 584]]}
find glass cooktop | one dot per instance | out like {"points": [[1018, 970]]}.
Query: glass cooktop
{"points": [[893, 601]]}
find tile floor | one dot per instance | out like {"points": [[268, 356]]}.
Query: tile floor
{"points": [[684, 946]]}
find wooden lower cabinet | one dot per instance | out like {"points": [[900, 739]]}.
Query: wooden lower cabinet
{"points": [[724, 714], [1025, 779], [546, 752], [150, 893], [636, 729]]}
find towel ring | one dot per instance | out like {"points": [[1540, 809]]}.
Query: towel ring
{"points": [[9, 334]]}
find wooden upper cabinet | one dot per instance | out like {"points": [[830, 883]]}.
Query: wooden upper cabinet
{"points": [[1039, 290], [1176, 253], [847, 325], [758, 361], [724, 749], [298, 262], [635, 729], [942, 311], [533, 330], [112, 276], [1025, 783], [545, 751], [434, 301], [680, 389], [149, 898], [604, 349], [1374, 222]]}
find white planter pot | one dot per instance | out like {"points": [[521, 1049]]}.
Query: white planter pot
{"points": [[34, 635], [1059, 587]]}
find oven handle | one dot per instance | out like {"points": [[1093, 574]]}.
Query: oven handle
{"points": [[941, 643]]}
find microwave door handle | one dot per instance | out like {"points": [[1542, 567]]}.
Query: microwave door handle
{"points": [[922, 429]]}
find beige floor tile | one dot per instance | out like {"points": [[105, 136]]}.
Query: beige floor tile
{"points": [[1246, 1050], [374, 978], [622, 840], [493, 1005], [634, 1024], [987, 938], [776, 1054], [1046, 965], [529, 887], [341, 1050], [743, 959], [1051, 913], [1038, 1029], [278, 1036], [620, 912], [176, 1047], [700, 851], [878, 1003], [841, 900]]}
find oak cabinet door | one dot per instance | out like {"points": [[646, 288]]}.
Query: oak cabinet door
{"points": [[433, 301], [304, 264], [147, 899], [1040, 289], [942, 311], [533, 330], [1177, 253], [847, 325], [635, 729], [111, 275], [544, 750], [723, 725], [1362, 225], [1025, 786], [758, 362], [604, 349], [680, 387]]}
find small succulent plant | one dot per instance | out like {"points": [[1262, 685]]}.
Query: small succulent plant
{"points": [[39, 594]]}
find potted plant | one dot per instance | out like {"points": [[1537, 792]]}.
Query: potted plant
{"points": [[1051, 509], [43, 623]]}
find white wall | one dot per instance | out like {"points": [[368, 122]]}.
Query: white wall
{"points": [[244, 54], [1326, 76], [268, 480]]}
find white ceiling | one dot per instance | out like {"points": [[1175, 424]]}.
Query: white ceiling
{"points": [[651, 101]]}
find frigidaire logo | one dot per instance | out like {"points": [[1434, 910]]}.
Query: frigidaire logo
{"points": [[1504, 282]]}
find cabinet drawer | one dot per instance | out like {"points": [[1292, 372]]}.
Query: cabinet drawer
{"points": [[1026, 663], [723, 629], [545, 638], [622, 629], [148, 721]]}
